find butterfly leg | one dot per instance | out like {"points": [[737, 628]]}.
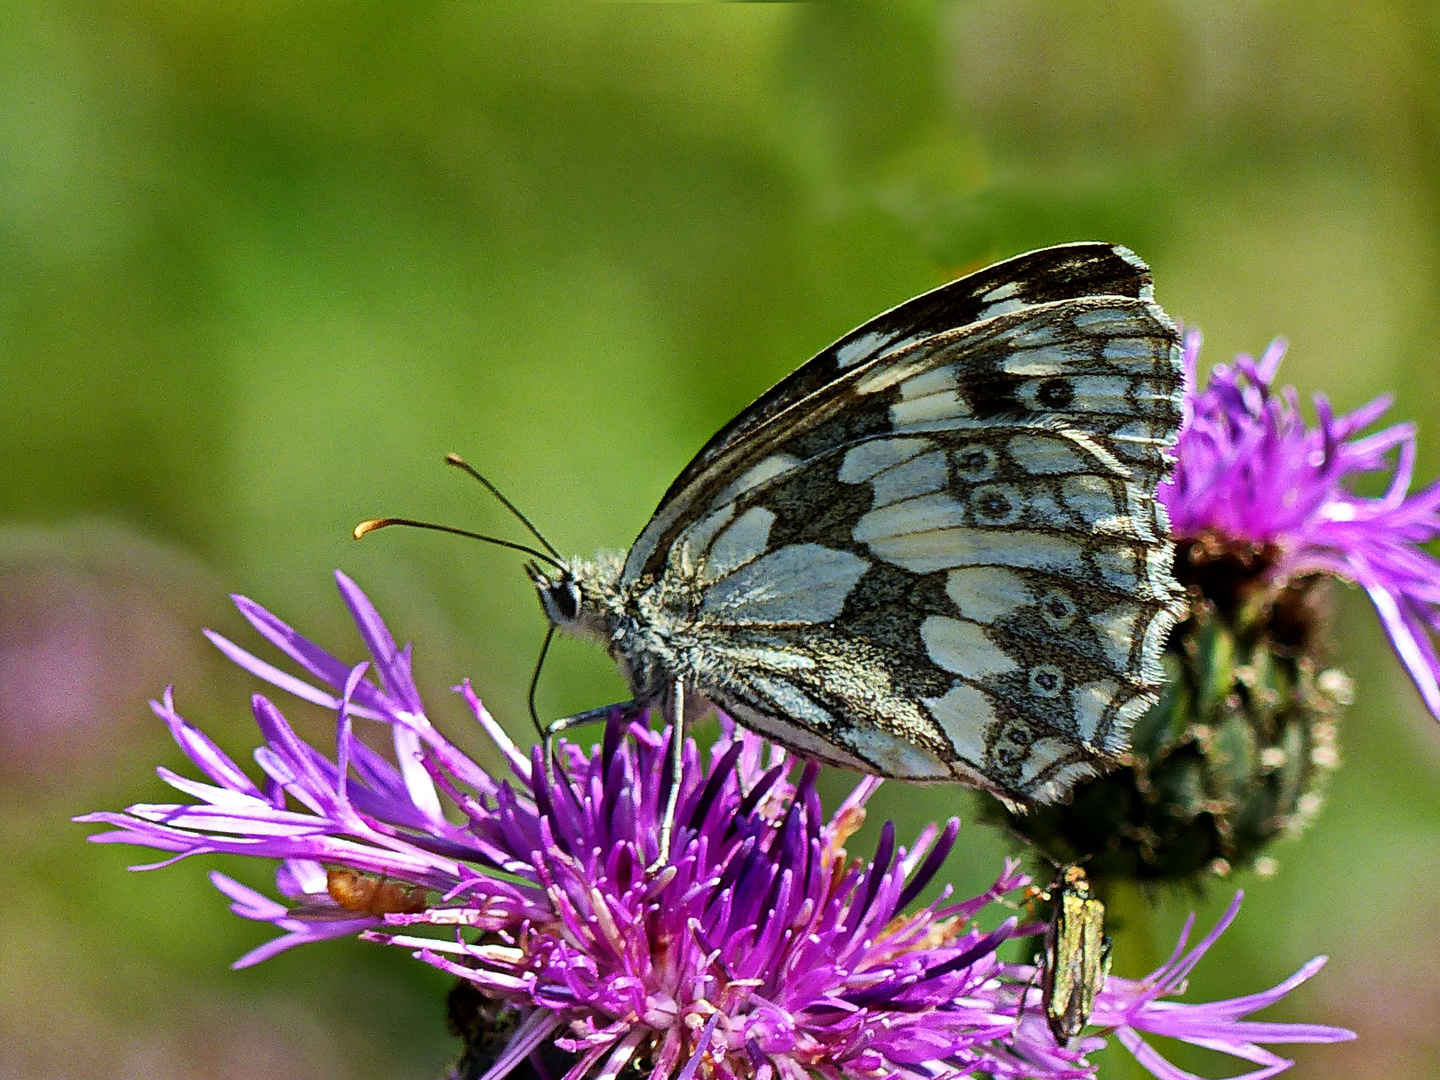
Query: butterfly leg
{"points": [[674, 715], [581, 719], [676, 709]]}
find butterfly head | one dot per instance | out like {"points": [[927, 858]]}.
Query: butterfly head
{"points": [[580, 598], [560, 594]]}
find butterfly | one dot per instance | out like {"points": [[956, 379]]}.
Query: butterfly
{"points": [[932, 553]]}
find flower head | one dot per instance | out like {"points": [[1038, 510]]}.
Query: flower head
{"points": [[760, 951], [1249, 471], [1133, 1006]]}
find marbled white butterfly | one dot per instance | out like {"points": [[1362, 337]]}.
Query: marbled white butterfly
{"points": [[934, 551]]}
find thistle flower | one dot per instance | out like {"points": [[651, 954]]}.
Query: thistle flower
{"points": [[1133, 1006], [760, 951], [1238, 751], [1249, 471]]}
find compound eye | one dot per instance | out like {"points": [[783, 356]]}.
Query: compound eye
{"points": [[566, 596]]}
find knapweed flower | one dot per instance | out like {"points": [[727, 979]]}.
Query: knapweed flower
{"points": [[759, 951], [1237, 752], [1250, 473], [1133, 1006]]}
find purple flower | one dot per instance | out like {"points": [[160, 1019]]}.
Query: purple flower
{"points": [[760, 951], [1249, 469], [1133, 1006]]}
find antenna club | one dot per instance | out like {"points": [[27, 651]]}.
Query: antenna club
{"points": [[380, 523], [370, 526], [455, 459]]}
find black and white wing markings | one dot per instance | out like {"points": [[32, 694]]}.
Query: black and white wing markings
{"points": [[1063, 272], [947, 564]]}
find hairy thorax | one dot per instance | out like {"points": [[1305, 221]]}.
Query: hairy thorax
{"points": [[647, 626]]}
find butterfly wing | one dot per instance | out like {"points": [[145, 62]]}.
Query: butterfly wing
{"points": [[947, 562], [1063, 272]]}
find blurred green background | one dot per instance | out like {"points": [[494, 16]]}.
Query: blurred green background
{"points": [[262, 264]]}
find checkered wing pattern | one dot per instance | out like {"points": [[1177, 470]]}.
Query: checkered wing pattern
{"points": [[934, 552]]}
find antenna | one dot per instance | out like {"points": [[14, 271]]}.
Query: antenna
{"points": [[382, 523], [460, 463]]}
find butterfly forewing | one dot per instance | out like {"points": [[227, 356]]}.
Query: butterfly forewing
{"points": [[943, 559], [1064, 272]]}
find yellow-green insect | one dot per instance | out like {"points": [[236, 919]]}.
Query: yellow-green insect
{"points": [[1077, 955]]}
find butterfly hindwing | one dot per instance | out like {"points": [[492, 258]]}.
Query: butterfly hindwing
{"points": [[946, 562]]}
